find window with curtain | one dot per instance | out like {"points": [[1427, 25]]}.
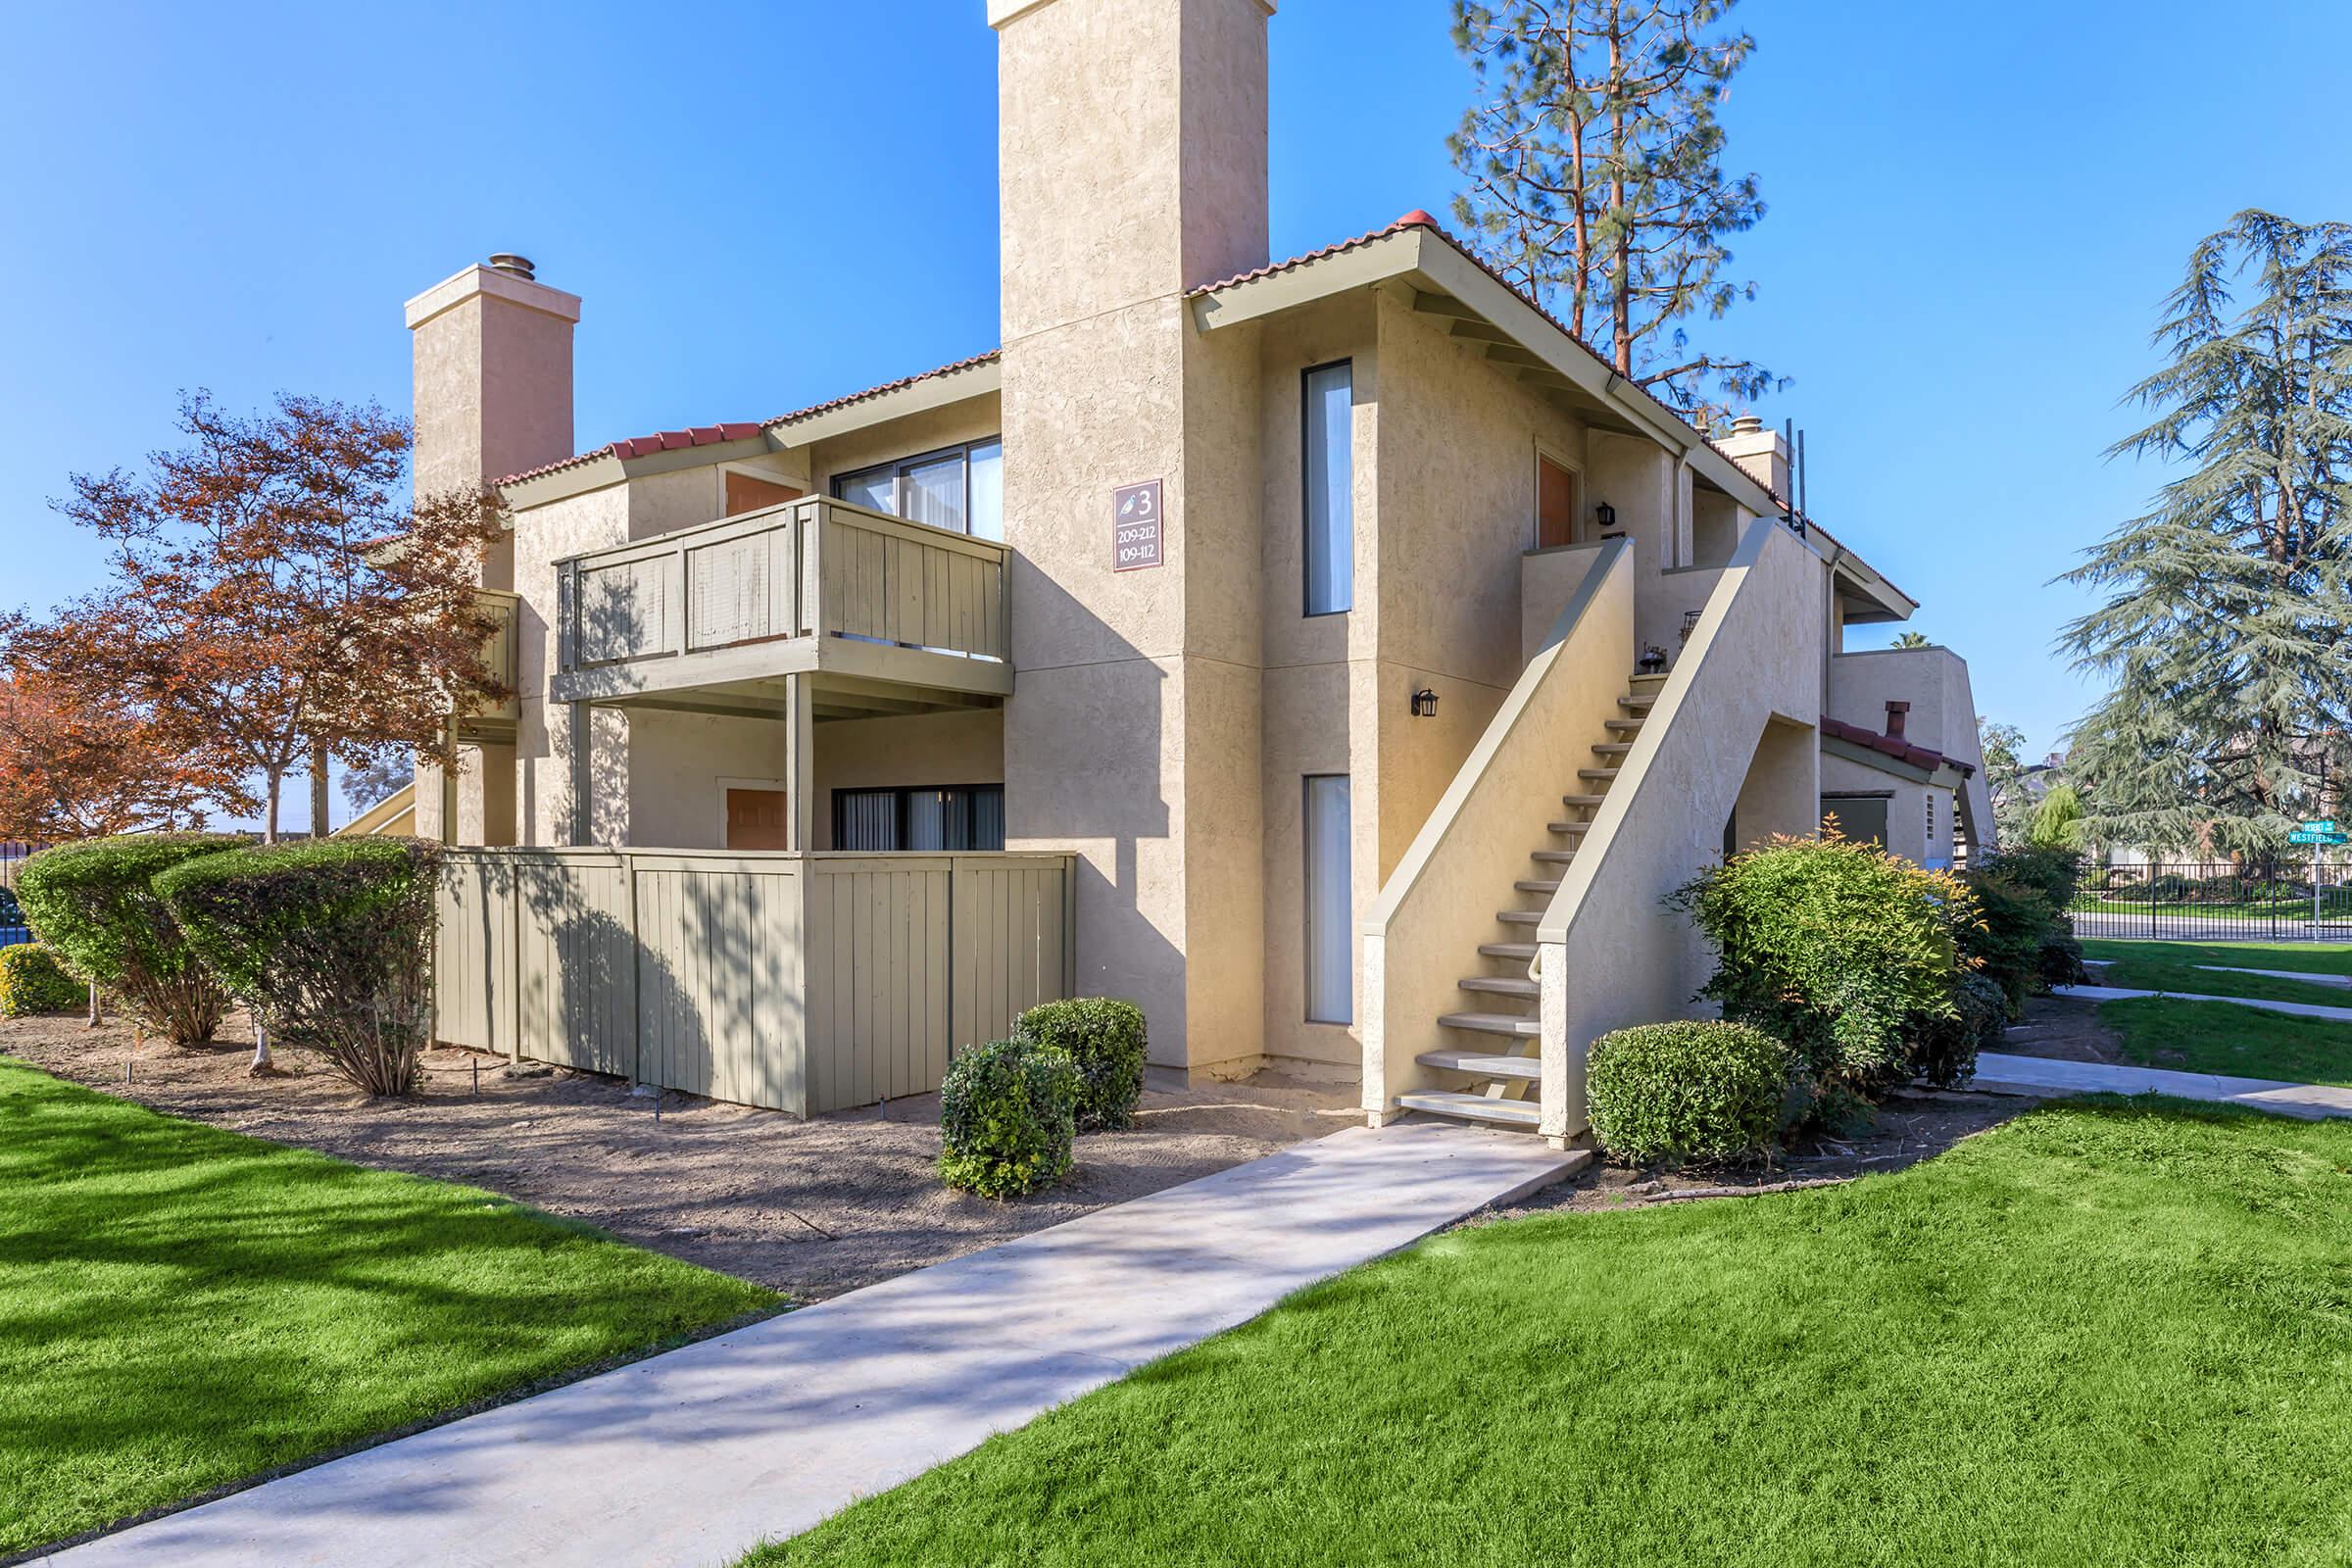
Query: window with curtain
{"points": [[1330, 468], [958, 488], [916, 818], [1330, 903]]}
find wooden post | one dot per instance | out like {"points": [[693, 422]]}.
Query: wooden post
{"points": [[799, 762], [449, 786]]}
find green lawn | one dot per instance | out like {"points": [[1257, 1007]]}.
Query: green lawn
{"points": [[2225, 1038], [2175, 966], [2107, 1333], [182, 1308]]}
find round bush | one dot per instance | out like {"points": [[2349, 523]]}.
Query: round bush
{"points": [[1944, 1050], [1674, 1093], [1104, 1038], [95, 902], [1007, 1113], [32, 981], [331, 943]]}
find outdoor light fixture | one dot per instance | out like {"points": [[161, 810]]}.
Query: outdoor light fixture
{"points": [[1607, 516], [1690, 624], [1425, 703]]}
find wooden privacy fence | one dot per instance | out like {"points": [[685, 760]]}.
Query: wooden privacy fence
{"points": [[805, 983]]}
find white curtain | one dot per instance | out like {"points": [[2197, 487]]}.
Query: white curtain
{"points": [[1330, 903], [1330, 459]]}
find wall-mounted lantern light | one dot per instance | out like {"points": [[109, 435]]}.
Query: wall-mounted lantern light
{"points": [[1607, 516], [1425, 703]]}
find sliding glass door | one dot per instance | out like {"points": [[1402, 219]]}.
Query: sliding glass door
{"points": [[958, 488]]}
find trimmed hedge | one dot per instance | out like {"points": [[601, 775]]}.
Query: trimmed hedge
{"points": [[1008, 1113], [32, 981], [95, 902], [330, 942], [1104, 1038], [1698, 1090]]}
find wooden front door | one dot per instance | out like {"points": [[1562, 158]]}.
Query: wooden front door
{"points": [[756, 820]]}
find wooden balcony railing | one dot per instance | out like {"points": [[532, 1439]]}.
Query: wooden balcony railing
{"points": [[653, 612]]}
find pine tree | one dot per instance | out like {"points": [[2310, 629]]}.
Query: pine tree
{"points": [[2229, 604], [1595, 181], [2005, 779]]}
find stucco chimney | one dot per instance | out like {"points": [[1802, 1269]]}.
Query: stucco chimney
{"points": [[492, 351], [1894, 719], [1131, 151], [1762, 454]]}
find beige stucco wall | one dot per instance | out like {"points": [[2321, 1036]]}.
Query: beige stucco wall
{"points": [[971, 419], [1942, 716], [1132, 163]]}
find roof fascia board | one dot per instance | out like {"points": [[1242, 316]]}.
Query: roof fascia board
{"points": [[1374, 261], [918, 397], [1894, 766], [607, 470]]}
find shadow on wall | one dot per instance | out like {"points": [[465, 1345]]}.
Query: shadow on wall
{"points": [[1112, 797]]}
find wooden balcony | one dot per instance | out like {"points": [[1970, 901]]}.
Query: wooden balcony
{"points": [[887, 614], [496, 722]]}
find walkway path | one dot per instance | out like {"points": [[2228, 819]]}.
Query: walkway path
{"points": [[2307, 1010], [1997, 1070], [692, 1457], [2342, 982]]}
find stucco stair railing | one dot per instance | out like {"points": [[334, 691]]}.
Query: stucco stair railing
{"points": [[1724, 743], [1449, 1020]]}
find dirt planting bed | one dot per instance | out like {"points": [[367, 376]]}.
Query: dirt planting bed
{"points": [[812, 1208]]}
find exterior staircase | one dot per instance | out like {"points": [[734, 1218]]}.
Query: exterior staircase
{"points": [[1492, 1044]]}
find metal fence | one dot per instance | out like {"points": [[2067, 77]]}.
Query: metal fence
{"points": [[13, 854], [2223, 903]]}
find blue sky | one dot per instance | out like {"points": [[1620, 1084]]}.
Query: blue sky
{"points": [[1972, 222]]}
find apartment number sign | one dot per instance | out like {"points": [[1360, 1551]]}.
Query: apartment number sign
{"points": [[1135, 526]]}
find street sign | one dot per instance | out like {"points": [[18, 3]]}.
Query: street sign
{"points": [[2323, 825], [2300, 837]]}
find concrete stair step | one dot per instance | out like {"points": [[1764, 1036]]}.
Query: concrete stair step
{"points": [[1502, 985], [1519, 952], [1603, 774], [1622, 726], [1612, 747], [1485, 1063], [1537, 885], [1647, 685], [1577, 828], [1495, 1024], [1581, 800], [1554, 857], [1636, 704], [1525, 1114], [1519, 917]]}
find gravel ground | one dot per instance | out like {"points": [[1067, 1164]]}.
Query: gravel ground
{"points": [[811, 1208]]}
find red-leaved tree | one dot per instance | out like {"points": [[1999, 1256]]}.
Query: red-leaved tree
{"points": [[76, 763], [273, 604]]}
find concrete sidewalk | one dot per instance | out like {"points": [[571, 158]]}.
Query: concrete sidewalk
{"points": [[692, 1457], [2302, 1009], [1997, 1070]]}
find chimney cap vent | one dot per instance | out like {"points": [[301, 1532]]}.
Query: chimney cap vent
{"points": [[518, 265], [1747, 425]]}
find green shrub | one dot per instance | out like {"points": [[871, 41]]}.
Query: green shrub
{"points": [[2055, 873], [1944, 1046], [2060, 962], [2005, 942], [1007, 1113], [330, 942], [1674, 1093], [1104, 1038], [31, 980], [1835, 948], [95, 902]]}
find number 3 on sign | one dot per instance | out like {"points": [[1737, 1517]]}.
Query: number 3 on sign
{"points": [[1135, 526]]}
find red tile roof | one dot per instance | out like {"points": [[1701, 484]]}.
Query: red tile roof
{"points": [[1893, 746], [704, 435]]}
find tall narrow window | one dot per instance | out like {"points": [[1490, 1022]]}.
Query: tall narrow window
{"points": [[1330, 903], [1330, 464]]}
